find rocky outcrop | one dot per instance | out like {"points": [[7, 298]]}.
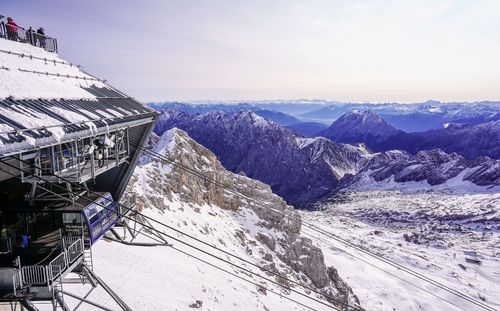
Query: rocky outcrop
{"points": [[435, 167], [298, 169], [199, 179]]}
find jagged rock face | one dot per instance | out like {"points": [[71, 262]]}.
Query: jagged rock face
{"points": [[434, 166], [279, 235], [359, 127], [298, 169], [485, 172], [469, 141]]}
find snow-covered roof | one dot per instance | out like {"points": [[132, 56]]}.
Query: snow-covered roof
{"points": [[28, 72], [45, 99]]}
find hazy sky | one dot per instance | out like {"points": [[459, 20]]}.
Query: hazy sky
{"points": [[283, 49]]}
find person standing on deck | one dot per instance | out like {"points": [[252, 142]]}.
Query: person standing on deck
{"points": [[41, 36], [12, 29], [30, 34]]}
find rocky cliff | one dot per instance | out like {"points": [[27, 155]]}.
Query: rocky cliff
{"points": [[298, 169], [265, 228]]}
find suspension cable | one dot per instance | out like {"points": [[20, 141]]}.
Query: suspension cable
{"points": [[195, 238], [192, 246], [331, 235], [318, 239], [309, 225]]}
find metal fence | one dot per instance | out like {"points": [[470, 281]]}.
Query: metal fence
{"points": [[75, 250], [57, 266], [34, 275], [45, 275], [68, 240], [20, 34], [16, 282]]}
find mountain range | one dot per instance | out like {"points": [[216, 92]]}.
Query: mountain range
{"points": [[367, 127], [408, 117], [303, 170], [244, 219], [298, 169]]}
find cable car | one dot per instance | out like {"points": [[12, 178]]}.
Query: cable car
{"points": [[96, 213]]}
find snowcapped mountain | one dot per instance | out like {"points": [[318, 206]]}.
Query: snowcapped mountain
{"points": [[413, 117], [236, 219], [359, 127], [298, 169], [470, 141], [427, 170]]}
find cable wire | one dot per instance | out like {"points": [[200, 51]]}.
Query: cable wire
{"points": [[192, 246], [333, 236]]}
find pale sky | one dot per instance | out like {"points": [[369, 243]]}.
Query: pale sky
{"points": [[373, 51]]}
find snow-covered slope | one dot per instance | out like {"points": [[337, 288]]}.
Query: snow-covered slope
{"points": [[161, 278], [433, 233]]}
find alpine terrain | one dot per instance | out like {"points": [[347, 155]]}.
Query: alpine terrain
{"points": [[235, 214]]}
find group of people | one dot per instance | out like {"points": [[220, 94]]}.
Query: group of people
{"points": [[13, 31]]}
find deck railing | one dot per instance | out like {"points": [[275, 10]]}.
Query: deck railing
{"points": [[44, 275], [20, 34], [74, 251], [33, 275], [57, 265]]}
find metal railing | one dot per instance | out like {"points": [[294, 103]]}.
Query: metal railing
{"points": [[33, 275], [45, 275], [18, 33], [57, 265], [3, 30], [68, 240], [16, 282], [74, 251]]}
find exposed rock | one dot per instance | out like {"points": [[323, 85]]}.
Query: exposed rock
{"points": [[298, 169], [277, 225], [196, 305], [269, 241]]}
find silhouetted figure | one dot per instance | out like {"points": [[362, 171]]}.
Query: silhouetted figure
{"points": [[25, 241], [41, 37], [31, 36]]}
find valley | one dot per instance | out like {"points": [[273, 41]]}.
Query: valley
{"points": [[437, 234]]}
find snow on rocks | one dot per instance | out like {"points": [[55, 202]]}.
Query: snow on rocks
{"points": [[237, 221], [430, 232]]}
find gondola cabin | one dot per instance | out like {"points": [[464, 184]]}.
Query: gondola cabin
{"points": [[90, 217]]}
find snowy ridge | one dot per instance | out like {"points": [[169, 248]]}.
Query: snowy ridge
{"points": [[431, 170], [300, 170], [237, 224]]}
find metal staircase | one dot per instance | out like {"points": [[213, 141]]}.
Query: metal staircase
{"points": [[58, 295], [87, 257]]}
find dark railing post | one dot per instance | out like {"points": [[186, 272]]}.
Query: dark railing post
{"points": [[3, 32]]}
